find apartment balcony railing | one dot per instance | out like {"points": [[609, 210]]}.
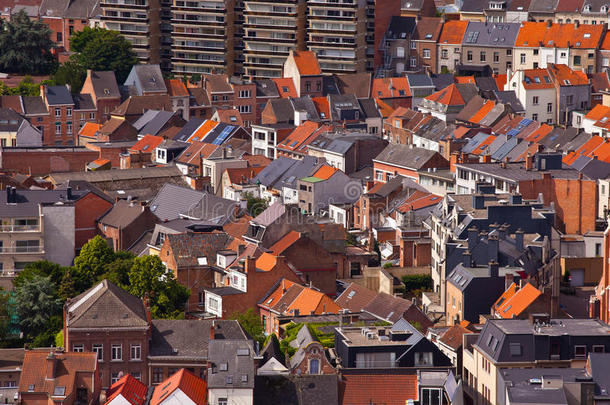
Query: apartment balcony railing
{"points": [[21, 249], [19, 228]]}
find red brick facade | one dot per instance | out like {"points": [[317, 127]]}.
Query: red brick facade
{"points": [[38, 161]]}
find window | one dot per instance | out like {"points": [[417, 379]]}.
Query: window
{"points": [[114, 378], [576, 60], [549, 108], [137, 375], [78, 348], [245, 94], [482, 56], [515, 349], [223, 366], [223, 401], [157, 375], [69, 112], [580, 351], [599, 348], [535, 100], [117, 352], [423, 359], [444, 54], [91, 115], [27, 246], [59, 37], [570, 99], [314, 366], [431, 396], [535, 117], [496, 57], [413, 45], [469, 56], [522, 58], [245, 109], [598, 248], [136, 352], [413, 61], [58, 128], [99, 349], [58, 112], [69, 127], [426, 53]]}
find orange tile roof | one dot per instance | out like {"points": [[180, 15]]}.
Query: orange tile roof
{"points": [[285, 242], [192, 386], [453, 32], [518, 302], [270, 300], [391, 87], [266, 262], [322, 106], [453, 337], [230, 116], [464, 79], [605, 42], [147, 144], [299, 135], [390, 389], [325, 172], [483, 111], [384, 108], [598, 112], [447, 96], [310, 301], [243, 175], [195, 151], [128, 387], [307, 63], [482, 148], [89, 129], [285, 87], [602, 152], [202, 131], [237, 229], [540, 133], [176, 88], [537, 79], [531, 34], [419, 200], [584, 150], [101, 162], [460, 132], [500, 81], [586, 36], [568, 77]]}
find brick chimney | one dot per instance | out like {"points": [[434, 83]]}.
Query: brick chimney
{"points": [[529, 162], [213, 330], [51, 362], [250, 266], [508, 280]]}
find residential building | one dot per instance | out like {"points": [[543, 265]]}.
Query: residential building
{"points": [[49, 374], [347, 151], [127, 389], [325, 186], [406, 161], [449, 46], [10, 373], [182, 387], [447, 103], [536, 92], [489, 44], [396, 46], [104, 91], [304, 70], [230, 378], [310, 357], [573, 91], [422, 55], [265, 138], [114, 325], [297, 390], [126, 222]]}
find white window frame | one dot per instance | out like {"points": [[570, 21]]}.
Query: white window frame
{"points": [[116, 349]]}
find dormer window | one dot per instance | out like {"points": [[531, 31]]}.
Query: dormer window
{"points": [[588, 8], [603, 9]]}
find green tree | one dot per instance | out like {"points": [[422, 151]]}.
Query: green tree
{"points": [[5, 314], [91, 263], [42, 268], [67, 287], [102, 49], [251, 323], [71, 73], [117, 271], [25, 46], [148, 277], [36, 302], [255, 205]]}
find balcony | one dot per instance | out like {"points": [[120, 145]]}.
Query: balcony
{"points": [[21, 250], [19, 228]]}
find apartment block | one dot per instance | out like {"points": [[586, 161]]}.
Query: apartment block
{"points": [[205, 37], [271, 30]]}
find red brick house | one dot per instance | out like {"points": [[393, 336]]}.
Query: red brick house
{"points": [[405, 160], [104, 91], [304, 70], [310, 357], [48, 375], [113, 324], [126, 222]]}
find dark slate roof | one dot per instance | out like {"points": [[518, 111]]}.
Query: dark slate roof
{"points": [[266, 88], [155, 123], [149, 78], [305, 103], [187, 338], [58, 95], [400, 27], [509, 98], [122, 214], [9, 120], [303, 168], [521, 388], [599, 364], [172, 202], [405, 156], [515, 171], [358, 84], [330, 144], [559, 137], [419, 80], [592, 168], [490, 34], [213, 209], [104, 84], [441, 81], [188, 129], [238, 355], [486, 84], [83, 102], [369, 107], [189, 247], [460, 277], [545, 6], [106, 305], [28, 201], [296, 390], [329, 85], [34, 105], [473, 6]]}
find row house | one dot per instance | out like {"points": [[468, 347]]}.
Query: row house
{"points": [[449, 46], [422, 55], [489, 44]]}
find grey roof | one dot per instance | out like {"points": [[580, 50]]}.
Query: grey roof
{"points": [[146, 78], [282, 109], [510, 98], [592, 168], [505, 149], [544, 6], [34, 105], [238, 356], [28, 135], [173, 202], [433, 129], [400, 27], [460, 277], [577, 142], [301, 342], [475, 142], [266, 88], [186, 338], [9, 120], [296, 389], [486, 84], [559, 137], [524, 386], [442, 80], [161, 173], [106, 305], [272, 173], [490, 34], [152, 121], [599, 364], [59, 95], [83, 102], [473, 6], [329, 85], [305, 103], [104, 84], [338, 145], [369, 107], [28, 201], [419, 80], [188, 129], [122, 214], [515, 171], [303, 168], [405, 156], [270, 214]]}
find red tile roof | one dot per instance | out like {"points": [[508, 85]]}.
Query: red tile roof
{"points": [[453, 337], [285, 87], [585, 150], [256, 160], [387, 388], [384, 108], [300, 135], [391, 87], [132, 390], [534, 79], [243, 175], [176, 88], [605, 42], [540, 133], [513, 302], [419, 200], [500, 81], [453, 32], [483, 111], [202, 131], [598, 112], [482, 148], [450, 95], [288, 298], [531, 34], [89, 129], [285, 242], [586, 36], [322, 106], [464, 79], [566, 76], [307, 63], [147, 144], [266, 262], [196, 151], [192, 386], [325, 172]]}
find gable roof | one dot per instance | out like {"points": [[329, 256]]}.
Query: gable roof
{"points": [[355, 297], [358, 84], [513, 302], [58, 95], [453, 32], [132, 390], [189, 248], [104, 84], [285, 87], [452, 94], [307, 63], [176, 88], [288, 298], [405, 156], [453, 336], [391, 87], [147, 144], [106, 305], [394, 388], [192, 386], [122, 214]]}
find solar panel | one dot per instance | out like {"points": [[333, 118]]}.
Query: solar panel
{"points": [[223, 135], [512, 132], [293, 144]]}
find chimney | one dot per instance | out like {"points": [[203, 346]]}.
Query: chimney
{"points": [[250, 265], [213, 330], [493, 245], [502, 231], [529, 162], [473, 235], [519, 240], [508, 280], [8, 194], [466, 259], [51, 362], [493, 268]]}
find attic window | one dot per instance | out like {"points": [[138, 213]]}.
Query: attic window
{"points": [[106, 91], [243, 352], [379, 93], [285, 89], [269, 301], [31, 388], [202, 261], [566, 81], [401, 92], [551, 42], [233, 119], [323, 114], [515, 349], [153, 80], [537, 79], [59, 391], [587, 35], [351, 295], [428, 36], [223, 366], [229, 379]]}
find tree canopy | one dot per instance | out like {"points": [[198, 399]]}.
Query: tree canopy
{"points": [[25, 46], [251, 323], [36, 302]]}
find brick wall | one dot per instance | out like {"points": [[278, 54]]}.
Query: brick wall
{"points": [[39, 161], [87, 210]]}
